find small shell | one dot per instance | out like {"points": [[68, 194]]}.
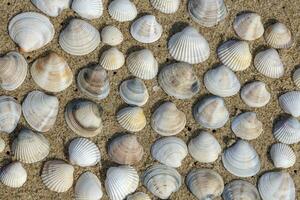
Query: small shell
{"points": [[142, 64], [241, 159], [13, 175], [287, 130], [296, 77], [211, 112], [112, 59], [111, 35], [162, 180], [189, 46], [122, 10], [88, 187], [221, 81], [30, 147], [279, 36], [13, 71], [146, 29], [179, 80], [255, 94], [57, 175], [167, 120], [2, 145], [132, 119], [166, 6], [50, 7], [121, 181], [247, 126], [138, 196], [205, 183], [89, 9], [10, 113], [282, 155], [290, 103], [40, 110], [204, 148], [79, 38], [240, 190], [31, 31], [169, 151], [52, 73], [235, 54]]}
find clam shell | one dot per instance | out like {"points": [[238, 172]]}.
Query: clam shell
{"points": [[13, 175], [240, 190], [122, 10], [10, 113], [255, 94], [112, 59], [166, 6], [138, 196], [2, 145], [290, 103], [50, 7], [111, 35], [132, 119], [296, 77], [89, 9], [287, 130], [88, 187], [278, 36], [282, 155]]}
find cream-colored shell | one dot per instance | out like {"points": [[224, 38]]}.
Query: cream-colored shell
{"points": [[279, 36], [52, 8], [111, 35], [112, 59], [122, 10], [166, 6], [10, 113], [132, 119], [89, 9], [255, 94], [282, 155], [88, 187], [13, 175]]}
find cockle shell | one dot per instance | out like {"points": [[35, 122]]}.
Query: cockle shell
{"points": [[40, 110], [166, 6], [282, 155], [111, 35], [13, 175], [189, 46], [287, 130], [255, 94], [279, 36], [52, 73], [88, 187], [240, 190], [89, 9], [296, 77], [122, 10], [138, 196], [30, 147], [241, 159], [79, 38], [30, 31], [112, 59], [290, 103], [132, 119], [10, 113], [2, 145], [121, 181], [57, 175], [13, 71], [52, 8], [179, 80], [162, 180]]}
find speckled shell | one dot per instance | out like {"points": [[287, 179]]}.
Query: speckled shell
{"points": [[2, 145], [10, 113], [279, 36], [138, 196], [89, 9], [112, 59], [240, 190], [296, 77], [290, 103], [52, 8], [287, 130], [13, 175], [255, 94], [166, 6], [282, 155], [122, 10], [132, 119], [88, 187], [111, 35]]}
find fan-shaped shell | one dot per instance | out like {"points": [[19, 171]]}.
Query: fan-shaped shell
{"points": [[282, 155], [88, 187], [166, 6], [255, 94], [112, 59], [2, 145], [138, 196], [89, 9], [13, 175], [287, 130], [122, 10], [52, 8], [278, 36], [132, 118], [10, 113], [111, 35], [240, 190], [296, 77], [290, 103]]}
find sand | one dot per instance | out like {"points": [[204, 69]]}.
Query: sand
{"points": [[285, 11]]}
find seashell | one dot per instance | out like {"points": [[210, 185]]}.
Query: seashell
{"points": [[122, 10], [189, 46], [248, 26], [89, 9], [167, 120], [50, 7], [134, 92], [84, 117], [40, 110], [166, 6], [287, 130], [221, 81], [296, 77], [169, 151], [138, 196], [247, 126], [290, 103], [204, 148], [84, 153], [279, 36], [13, 71], [211, 112], [282, 155], [88, 187], [52, 73], [239, 190], [111, 35], [142, 64], [241, 159], [13, 175], [30, 147], [276, 186], [112, 59], [255, 94], [2, 145], [269, 63], [79, 38], [132, 119], [121, 181], [146, 29], [57, 175], [179, 80], [235, 54], [207, 13], [162, 180], [10, 113], [94, 82], [126, 150]]}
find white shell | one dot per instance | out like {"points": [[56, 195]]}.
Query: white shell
{"points": [[52, 8], [296, 77], [255, 94], [287, 130], [290, 103], [2, 145], [279, 36], [282, 155], [138, 196], [166, 6], [132, 119], [122, 10], [240, 190], [10, 113], [89, 9], [111, 35], [13, 175], [88, 187], [112, 59]]}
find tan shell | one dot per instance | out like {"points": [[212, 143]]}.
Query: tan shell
{"points": [[112, 59], [132, 118]]}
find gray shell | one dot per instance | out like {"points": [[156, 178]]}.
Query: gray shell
{"points": [[240, 190]]}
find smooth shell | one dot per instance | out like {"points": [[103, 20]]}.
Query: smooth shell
{"points": [[240, 190], [122, 10], [52, 8], [279, 36], [296, 77], [290, 103], [132, 119], [2, 145], [10, 113], [89, 9], [138, 196], [112, 59], [166, 6], [287, 130], [88, 187], [13, 175], [111, 35], [282, 155]]}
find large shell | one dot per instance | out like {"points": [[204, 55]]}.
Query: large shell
{"points": [[111, 35], [290, 103], [52, 8], [166, 6], [132, 119], [112, 59], [282, 155], [10, 113], [57, 175], [89, 9], [2, 145], [79, 38], [189, 46], [287, 130], [167, 120], [296, 77], [13, 175], [162, 180], [278, 36], [241, 159], [40, 110], [179, 80], [88, 187], [122, 10], [240, 190], [138, 196]]}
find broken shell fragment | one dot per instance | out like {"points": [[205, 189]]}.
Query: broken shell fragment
{"points": [[279, 36], [13, 175], [89, 9], [132, 119], [10, 113]]}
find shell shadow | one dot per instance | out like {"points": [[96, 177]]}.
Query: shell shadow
{"points": [[269, 22], [258, 49], [133, 49], [177, 27]]}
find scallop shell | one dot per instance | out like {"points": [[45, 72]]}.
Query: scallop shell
{"points": [[40, 110], [13, 175], [89, 9], [162, 180], [121, 181], [282, 155], [50, 7], [10, 113], [255, 94], [189, 46], [146, 29], [138, 196], [57, 175], [2, 145], [79, 38], [204, 148], [235, 54], [30, 147], [122, 10], [13, 71], [166, 6], [111, 35], [279, 36], [112, 59], [179, 80], [30, 31], [52, 73], [290, 103], [167, 120], [132, 119], [241, 159], [240, 190], [296, 77], [287, 130], [88, 187]]}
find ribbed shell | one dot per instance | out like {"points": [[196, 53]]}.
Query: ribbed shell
{"points": [[13, 175], [89, 9], [240, 190], [282, 155], [122, 10], [111, 35], [138, 196], [287, 130], [279, 36], [166, 6], [132, 119], [112, 59], [88, 187], [52, 8], [290, 103], [10, 113], [296, 77]]}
